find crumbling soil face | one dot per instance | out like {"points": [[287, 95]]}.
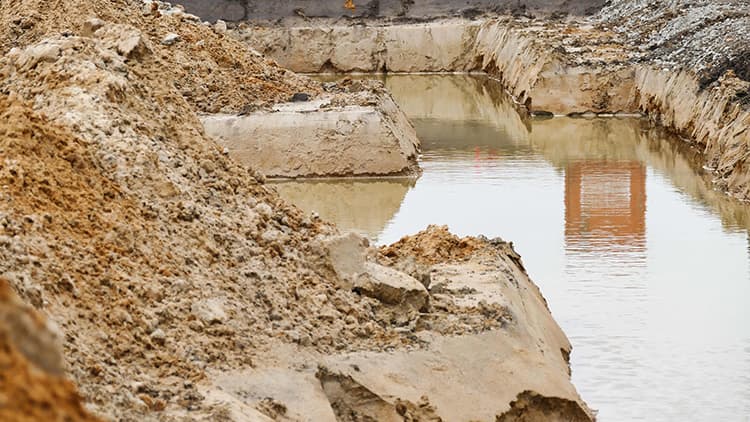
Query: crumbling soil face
{"points": [[212, 71], [32, 386]]}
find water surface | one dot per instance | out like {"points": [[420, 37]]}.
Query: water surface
{"points": [[644, 265]]}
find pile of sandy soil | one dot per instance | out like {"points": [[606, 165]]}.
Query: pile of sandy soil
{"points": [[159, 257], [213, 72], [436, 244], [154, 252]]}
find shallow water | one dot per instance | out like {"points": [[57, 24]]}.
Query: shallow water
{"points": [[644, 265]]}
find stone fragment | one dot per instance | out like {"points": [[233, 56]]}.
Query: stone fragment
{"points": [[419, 271], [91, 25], [209, 311], [347, 254], [170, 39], [158, 336], [300, 97], [44, 52], [220, 26], [130, 44], [264, 209], [392, 287], [151, 7]]}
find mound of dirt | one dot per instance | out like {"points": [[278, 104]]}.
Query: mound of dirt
{"points": [[435, 244], [213, 72], [117, 195]]}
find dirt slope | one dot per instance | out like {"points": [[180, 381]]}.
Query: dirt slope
{"points": [[154, 252], [213, 72]]}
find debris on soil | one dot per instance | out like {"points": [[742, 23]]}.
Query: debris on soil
{"points": [[707, 37]]}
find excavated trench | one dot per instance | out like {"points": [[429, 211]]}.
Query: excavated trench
{"points": [[494, 164], [223, 302], [622, 274], [548, 67], [613, 257], [598, 208]]}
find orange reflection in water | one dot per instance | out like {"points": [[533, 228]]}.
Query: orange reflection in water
{"points": [[605, 205]]}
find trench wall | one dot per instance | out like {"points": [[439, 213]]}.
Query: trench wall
{"points": [[711, 118], [537, 77]]}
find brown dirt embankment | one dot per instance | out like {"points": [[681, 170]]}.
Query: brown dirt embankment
{"points": [[516, 368], [121, 196], [480, 272]]}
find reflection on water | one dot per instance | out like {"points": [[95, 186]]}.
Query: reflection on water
{"points": [[360, 206], [644, 265], [605, 206]]}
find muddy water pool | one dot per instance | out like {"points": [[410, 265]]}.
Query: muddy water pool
{"points": [[644, 265]]}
